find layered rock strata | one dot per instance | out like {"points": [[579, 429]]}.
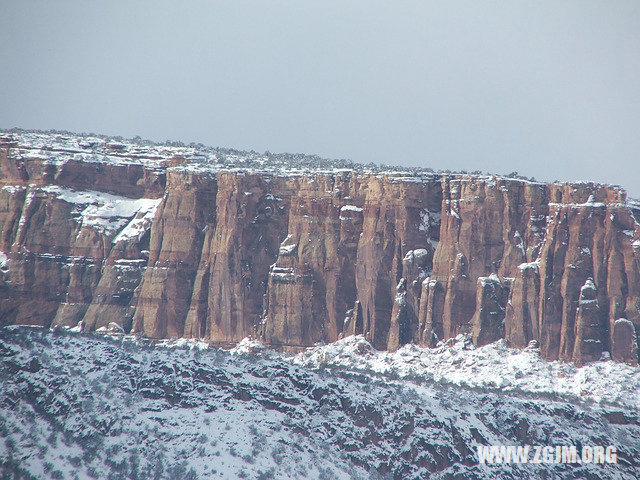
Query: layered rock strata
{"points": [[171, 241]]}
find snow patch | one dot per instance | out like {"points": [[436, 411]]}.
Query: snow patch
{"points": [[108, 213], [141, 223], [416, 255], [190, 343], [529, 266], [247, 345], [288, 246], [350, 208], [493, 278], [13, 188]]}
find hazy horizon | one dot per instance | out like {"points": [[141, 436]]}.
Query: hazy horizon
{"points": [[546, 89]]}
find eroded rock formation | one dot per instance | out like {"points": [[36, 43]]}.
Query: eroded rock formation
{"points": [[171, 241]]}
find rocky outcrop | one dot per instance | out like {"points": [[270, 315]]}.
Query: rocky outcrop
{"points": [[588, 343], [172, 241], [521, 316], [624, 344], [488, 320]]}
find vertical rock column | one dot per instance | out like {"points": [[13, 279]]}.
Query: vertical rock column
{"points": [[488, 321], [400, 230], [588, 273], [311, 285], [489, 226], [231, 280], [176, 240], [430, 327], [590, 325], [521, 316], [416, 268], [623, 282], [624, 346]]}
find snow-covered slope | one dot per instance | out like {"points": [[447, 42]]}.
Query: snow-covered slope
{"points": [[493, 367], [81, 406]]}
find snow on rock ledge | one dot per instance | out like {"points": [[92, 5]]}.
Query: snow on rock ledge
{"points": [[109, 213]]}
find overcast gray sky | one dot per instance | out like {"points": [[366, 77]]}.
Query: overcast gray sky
{"points": [[550, 89]]}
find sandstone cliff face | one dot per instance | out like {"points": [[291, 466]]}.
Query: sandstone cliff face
{"points": [[489, 226], [238, 248], [401, 220], [311, 282], [175, 241]]}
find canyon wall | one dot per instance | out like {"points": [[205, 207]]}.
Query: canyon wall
{"points": [[160, 242]]}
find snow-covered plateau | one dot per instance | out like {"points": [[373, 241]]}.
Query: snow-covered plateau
{"points": [[78, 406]]}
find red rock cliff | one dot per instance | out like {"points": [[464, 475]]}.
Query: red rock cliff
{"points": [[171, 241]]}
